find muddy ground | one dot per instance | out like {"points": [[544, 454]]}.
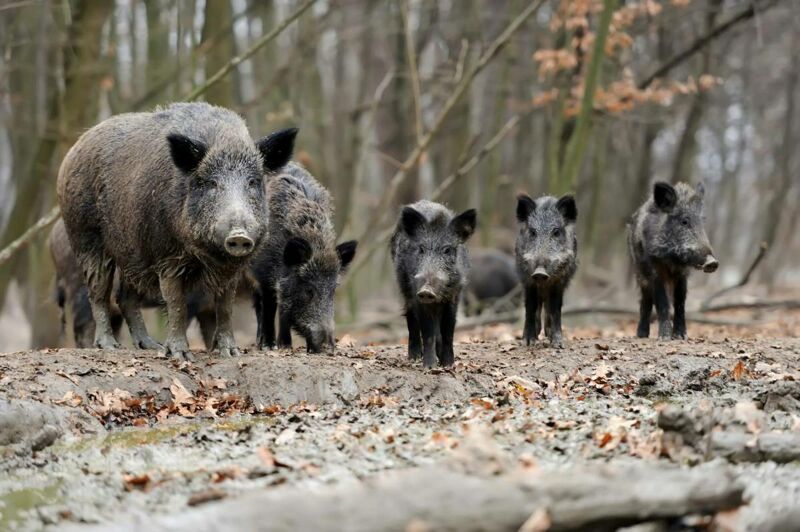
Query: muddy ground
{"points": [[92, 437]]}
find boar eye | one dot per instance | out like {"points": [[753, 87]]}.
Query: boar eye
{"points": [[557, 232], [211, 184], [449, 251], [254, 182], [421, 250], [685, 222], [533, 233]]}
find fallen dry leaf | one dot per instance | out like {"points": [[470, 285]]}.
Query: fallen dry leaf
{"points": [[347, 341], [133, 482], [209, 495], [70, 399]]}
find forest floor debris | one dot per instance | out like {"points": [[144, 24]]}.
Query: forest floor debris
{"points": [[137, 434]]}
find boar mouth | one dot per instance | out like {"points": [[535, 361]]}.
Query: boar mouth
{"points": [[710, 265]]}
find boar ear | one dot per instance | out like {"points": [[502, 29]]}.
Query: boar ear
{"points": [[277, 148], [412, 220], [346, 252], [664, 195], [700, 190], [525, 206], [464, 224], [186, 153], [568, 209], [296, 252]]}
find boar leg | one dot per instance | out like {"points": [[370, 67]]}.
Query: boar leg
{"points": [[130, 304], [662, 309], [554, 301], [224, 343], [679, 301], [284, 331], [533, 322], [448, 327], [429, 327], [645, 310], [208, 327], [414, 338], [266, 324], [174, 295], [100, 278]]}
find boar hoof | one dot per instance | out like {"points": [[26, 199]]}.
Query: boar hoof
{"points": [[557, 344], [679, 336], [147, 343], [106, 342], [228, 352], [178, 349]]}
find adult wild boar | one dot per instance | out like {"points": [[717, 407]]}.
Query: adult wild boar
{"points": [[175, 200], [546, 251], [72, 296], [431, 262], [667, 238], [297, 271]]}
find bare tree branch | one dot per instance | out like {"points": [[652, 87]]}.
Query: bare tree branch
{"points": [[700, 42], [26, 237], [236, 61]]}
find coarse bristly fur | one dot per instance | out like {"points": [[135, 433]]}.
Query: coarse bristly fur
{"points": [[72, 294], [174, 199], [431, 263], [547, 258], [667, 238], [299, 267]]}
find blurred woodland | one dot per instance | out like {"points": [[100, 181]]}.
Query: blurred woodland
{"points": [[465, 101]]}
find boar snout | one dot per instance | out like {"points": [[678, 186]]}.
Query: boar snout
{"points": [[540, 274], [319, 340], [711, 264], [426, 294], [238, 243]]}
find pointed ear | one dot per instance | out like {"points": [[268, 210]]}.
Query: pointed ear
{"points": [[296, 252], [665, 196], [186, 153], [412, 220], [277, 148], [567, 207], [346, 252], [700, 190], [525, 206], [464, 224]]}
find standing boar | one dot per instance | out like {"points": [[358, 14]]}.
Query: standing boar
{"points": [[72, 294], [175, 200], [431, 263], [298, 269], [546, 252], [667, 237], [492, 275]]}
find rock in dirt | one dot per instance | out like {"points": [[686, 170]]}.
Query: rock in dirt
{"points": [[35, 426]]}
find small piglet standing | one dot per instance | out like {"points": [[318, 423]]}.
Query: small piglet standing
{"points": [[546, 250], [667, 237], [431, 263]]}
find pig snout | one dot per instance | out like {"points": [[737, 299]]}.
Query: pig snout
{"points": [[430, 287], [711, 264], [540, 274], [238, 243], [319, 340]]}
